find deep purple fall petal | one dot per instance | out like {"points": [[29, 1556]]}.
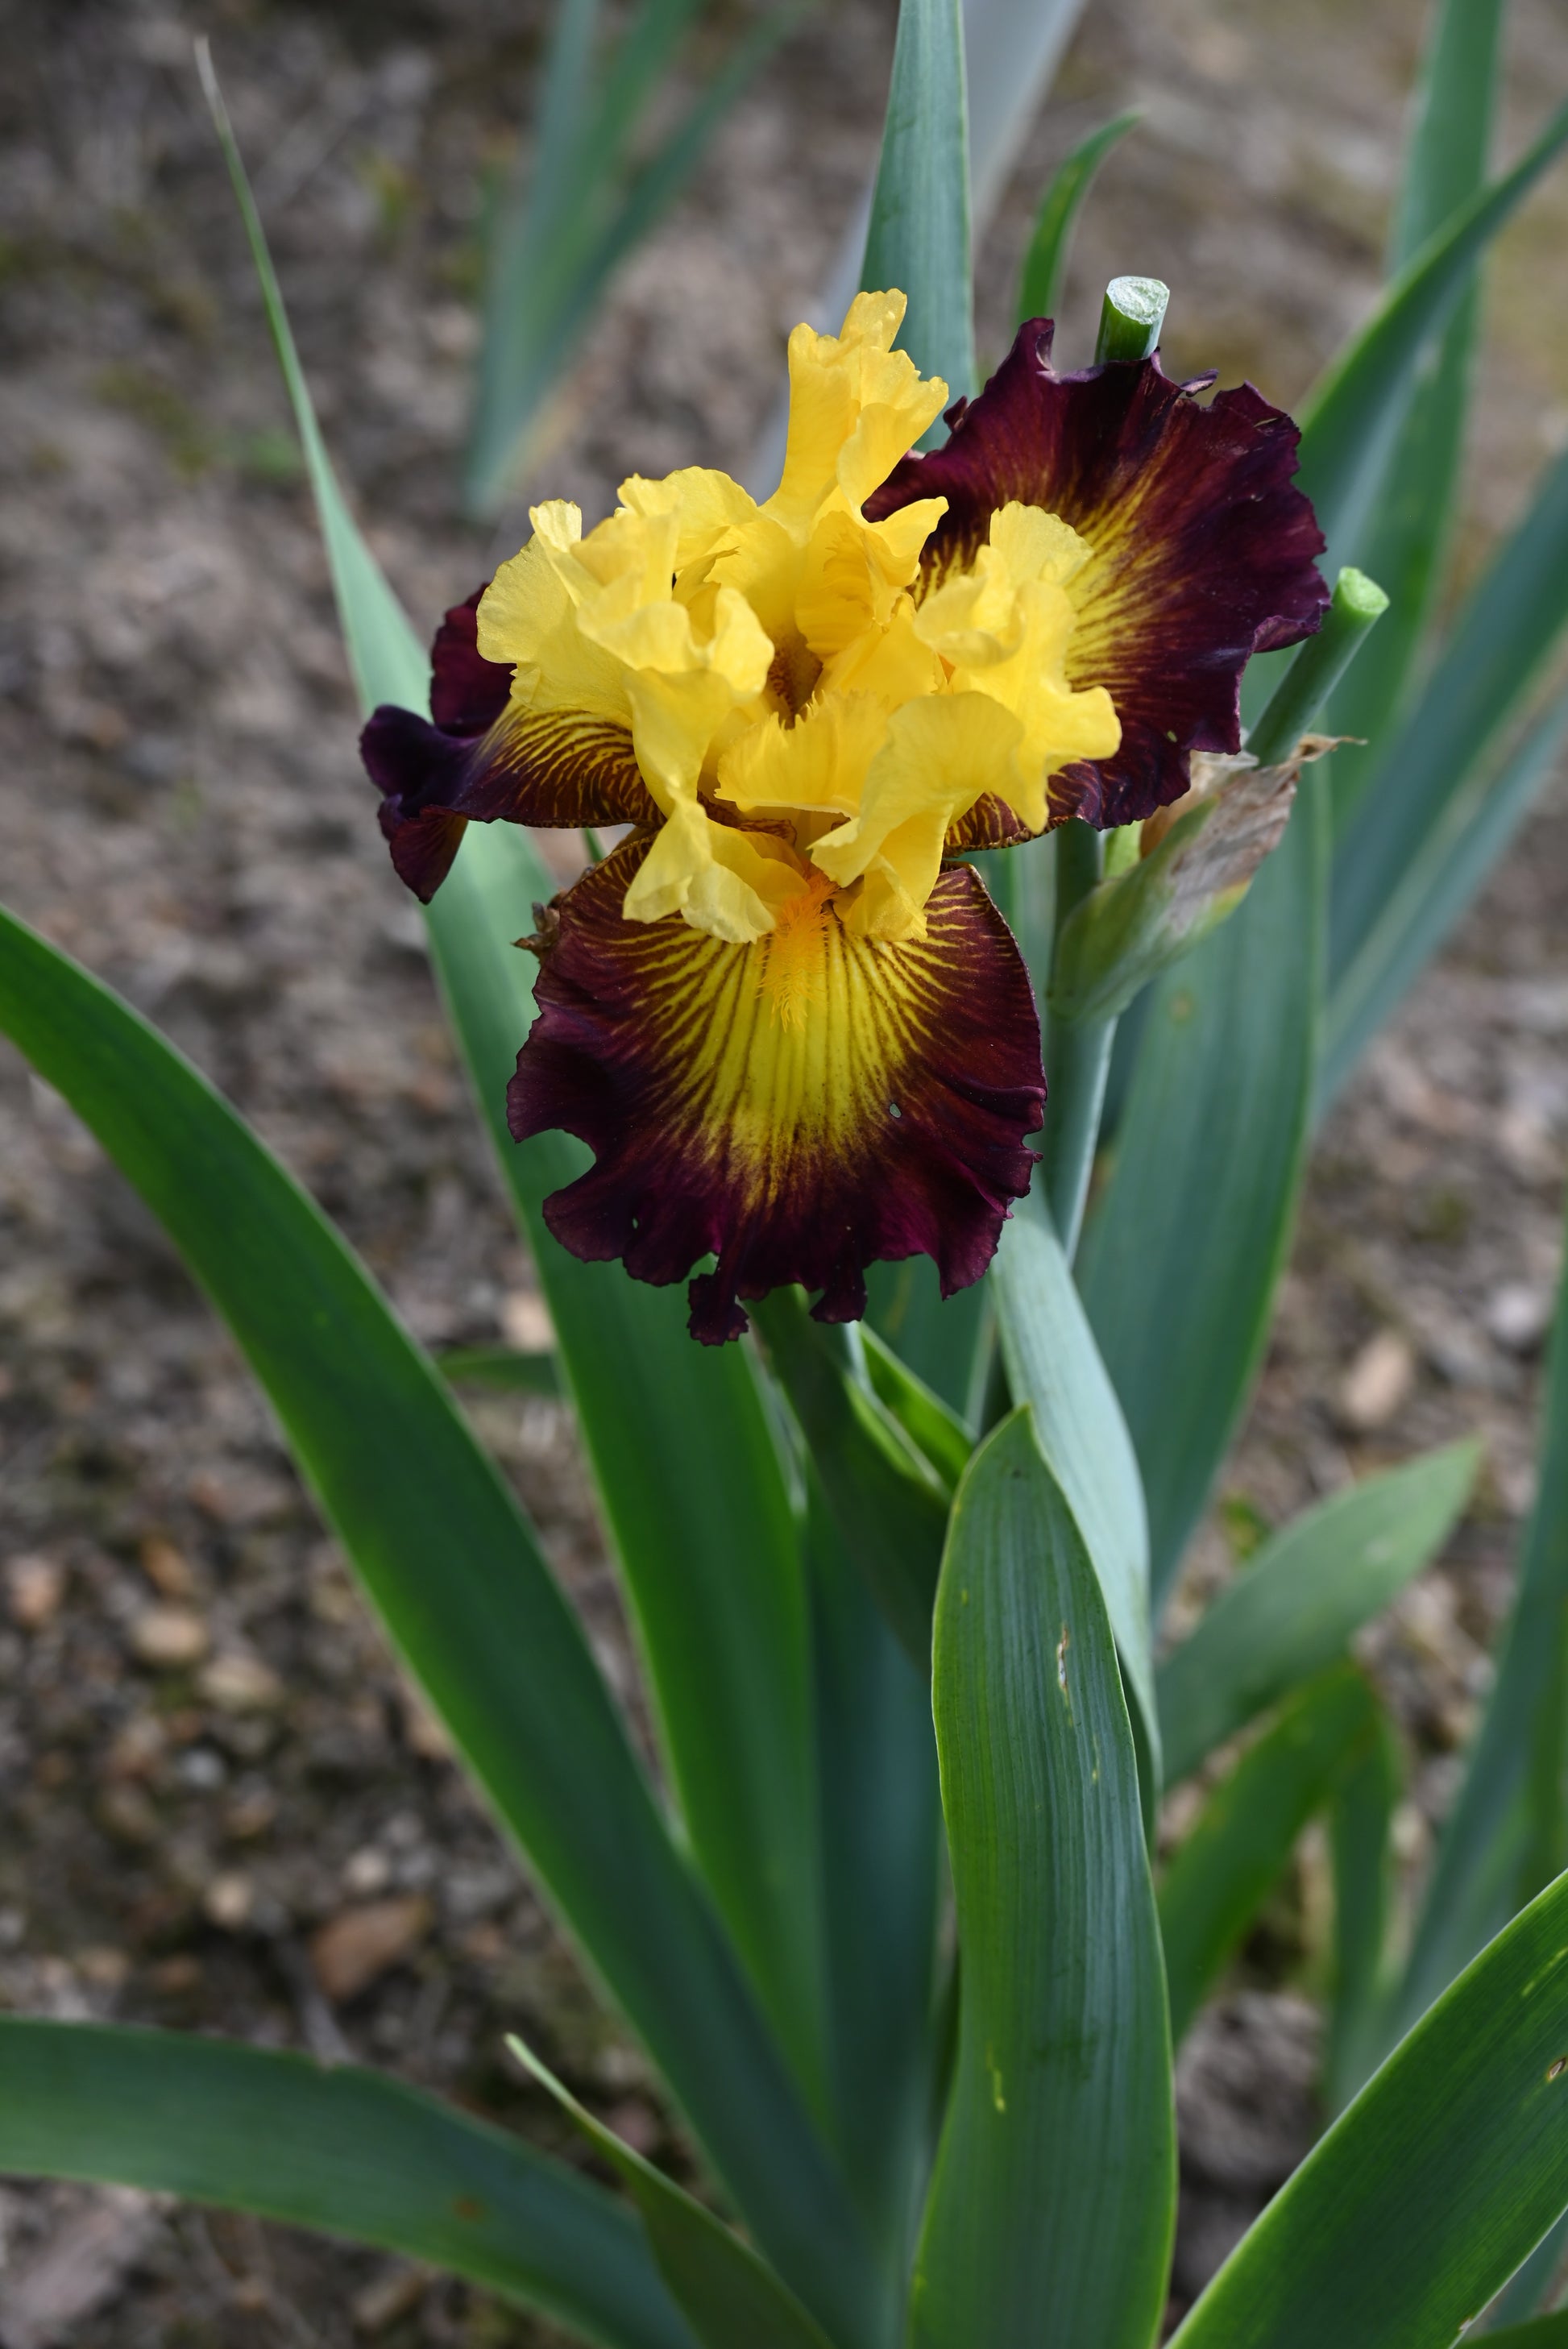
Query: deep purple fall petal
{"points": [[479, 758], [799, 1108]]}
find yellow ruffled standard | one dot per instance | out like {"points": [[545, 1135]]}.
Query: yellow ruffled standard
{"points": [[809, 735]]}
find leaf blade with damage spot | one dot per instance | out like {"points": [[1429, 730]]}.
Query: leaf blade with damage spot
{"points": [[1055, 2181]]}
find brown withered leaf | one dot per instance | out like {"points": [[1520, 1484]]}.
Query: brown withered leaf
{"points": [[1255, 801], [1197, 859], [539, 940]]}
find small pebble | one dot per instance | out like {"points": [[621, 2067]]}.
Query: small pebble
{"points": [[358, 1944], [139, 1745], [636, 2123], [1378, 1383], [229, 1901], [166, 1567], [618, 2066], [175, 1977], [1519, 1315], [201, 1768], [333, 1599], [252, 1812], [34, 1590], [525, 1322], [237, 1682], [104, 1968], [171, 1638], [427, 1736], [126, 1813], [366, 1872], [379, 2306], [470, 1892]]}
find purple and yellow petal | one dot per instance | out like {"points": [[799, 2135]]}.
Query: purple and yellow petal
{"points": [[1200, 551], [990, 824], [799, 1108], [481, 758]]}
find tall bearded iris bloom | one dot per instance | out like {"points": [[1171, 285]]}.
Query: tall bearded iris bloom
{"points": [[796, 1034]]}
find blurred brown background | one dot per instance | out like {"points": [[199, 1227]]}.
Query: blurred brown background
{"points": [[224, 1811]]}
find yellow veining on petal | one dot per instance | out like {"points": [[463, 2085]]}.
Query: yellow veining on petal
{"points": [[771, 659]]}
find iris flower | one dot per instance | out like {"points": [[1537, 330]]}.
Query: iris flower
{"points": [[793, 1029]]}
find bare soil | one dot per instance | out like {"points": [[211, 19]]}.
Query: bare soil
{"points": [[207, 1756]]}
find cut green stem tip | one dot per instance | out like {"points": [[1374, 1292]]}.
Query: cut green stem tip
{"points": [[1357, 604], [1131, 320], [1359, 596]]}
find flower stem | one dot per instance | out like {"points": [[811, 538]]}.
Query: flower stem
{"points": [[1358, 604], [1131, 318], [1080, 1057], [1080, 1050]]}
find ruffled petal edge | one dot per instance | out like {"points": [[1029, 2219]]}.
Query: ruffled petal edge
{"points": [[480, 757], [883, 1116]]}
